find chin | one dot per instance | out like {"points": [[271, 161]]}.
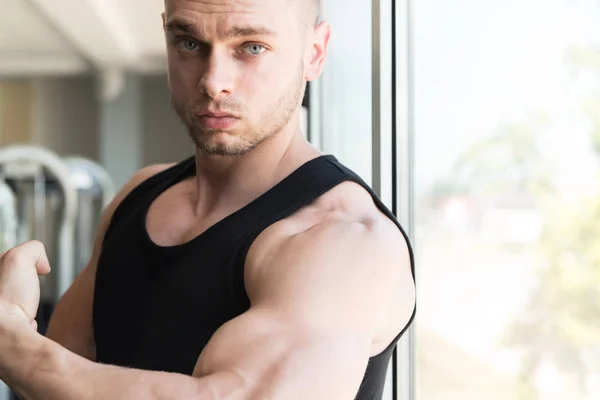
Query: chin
{"points": [[222, 144], [225, 151]]}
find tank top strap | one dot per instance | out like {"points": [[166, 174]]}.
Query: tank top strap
{"points": [[299, 189]]}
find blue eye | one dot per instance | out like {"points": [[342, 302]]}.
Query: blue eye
{"points": [[187, 45], [255, 49]]}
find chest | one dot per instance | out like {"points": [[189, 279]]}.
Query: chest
{"points": [[171, 219], [155, 308]]}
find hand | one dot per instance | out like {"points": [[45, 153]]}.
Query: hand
{"points": [[19, 281]]}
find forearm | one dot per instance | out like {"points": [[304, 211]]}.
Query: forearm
{"points": [[39, 369]]}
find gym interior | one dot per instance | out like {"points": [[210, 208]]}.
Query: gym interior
{"points": [[476, 122]]}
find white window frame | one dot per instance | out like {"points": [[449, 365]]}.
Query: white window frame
{"points": [[404, 359], [393, 148], [392, 145]]}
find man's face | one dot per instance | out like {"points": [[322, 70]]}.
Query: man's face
{"points": [[237, 69]]}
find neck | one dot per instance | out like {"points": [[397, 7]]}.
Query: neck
{"points": [[225, 183]]}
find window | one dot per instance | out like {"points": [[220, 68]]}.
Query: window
{"points": [[352, 116], [507, 217], [344, 90]]}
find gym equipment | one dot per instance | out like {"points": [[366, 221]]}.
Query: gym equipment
{"points": [[46, 209], [57, 201], [8, 217], [8, 239], [95, 190]]}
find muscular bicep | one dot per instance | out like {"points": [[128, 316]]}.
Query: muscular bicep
{"points": [[71, 323], [317, 303], [264, 355]]}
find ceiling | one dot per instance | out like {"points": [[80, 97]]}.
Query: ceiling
{"points": [[57, 37]]}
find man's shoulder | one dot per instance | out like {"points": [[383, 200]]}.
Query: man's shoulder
{"points": [[334, 255], [344, 217], [140, 177], [347, 204], [146, 173], [137, 179]]}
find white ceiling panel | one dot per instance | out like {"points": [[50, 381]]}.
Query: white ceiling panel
{"points": [[23, 32], [31, 46], [143, 19], [71, 36]]}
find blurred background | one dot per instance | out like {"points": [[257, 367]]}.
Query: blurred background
{"points": [[493, 123]]}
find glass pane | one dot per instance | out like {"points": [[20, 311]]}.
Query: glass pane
{"points": [[507, 114], [345, 115], [346, 85]]}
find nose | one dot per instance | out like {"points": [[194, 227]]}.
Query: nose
{"points": [[217, 80]]}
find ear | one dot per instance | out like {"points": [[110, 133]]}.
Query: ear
{"points": [[318, 51], [164, 19]]}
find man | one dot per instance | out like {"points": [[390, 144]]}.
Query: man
{"points": [[258, 269]]}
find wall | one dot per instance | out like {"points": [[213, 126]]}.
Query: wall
{"points": [[15, 112], [166, 139], [65, 115], [66, 118]]}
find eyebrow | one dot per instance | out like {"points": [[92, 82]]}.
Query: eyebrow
{"points": [[234, 32]]}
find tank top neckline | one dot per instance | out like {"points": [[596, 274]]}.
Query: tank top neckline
{"points": [[188, 170]]}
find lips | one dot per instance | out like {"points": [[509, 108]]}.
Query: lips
{"points": [[217, 121], [216, 115]]}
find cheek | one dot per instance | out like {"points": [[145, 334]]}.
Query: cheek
{"points": [[249, 86], [183, 76], [265, 82]]}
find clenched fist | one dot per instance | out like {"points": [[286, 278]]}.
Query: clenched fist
{"points": [[19, 281]]}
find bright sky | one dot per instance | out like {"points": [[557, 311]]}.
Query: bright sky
{"points": [[481, 62]]}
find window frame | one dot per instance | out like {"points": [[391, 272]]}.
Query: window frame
{"points": [[392, 139], [393, 146]]}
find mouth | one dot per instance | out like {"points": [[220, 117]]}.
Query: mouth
{"points": [[215, 114], [217, 120]]}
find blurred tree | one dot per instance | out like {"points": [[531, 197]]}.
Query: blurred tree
{"points": [[510, 160], [561, 323], [560, 326]]}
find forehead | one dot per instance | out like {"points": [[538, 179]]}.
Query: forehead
{"points": [[215, 17]]}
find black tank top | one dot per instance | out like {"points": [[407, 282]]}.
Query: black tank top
{"points": [[155, 308]]}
